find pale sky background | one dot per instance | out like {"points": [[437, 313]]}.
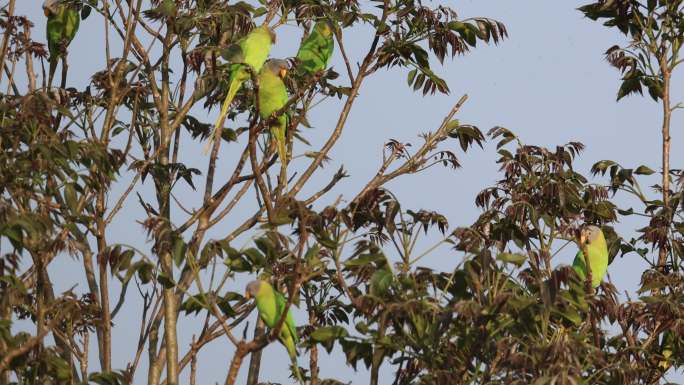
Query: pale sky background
{"points": [[548, 82]]}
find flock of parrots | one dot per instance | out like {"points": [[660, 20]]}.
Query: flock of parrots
{"points": [[249, 54], [313, 56], [271, 303]]}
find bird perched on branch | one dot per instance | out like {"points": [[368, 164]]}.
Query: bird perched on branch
{"points": [[597, 248], [271, 305], [272, 98], [63, 20], [252, 50], [316, 50]]}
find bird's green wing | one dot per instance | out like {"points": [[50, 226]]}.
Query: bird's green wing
{"points": [[256, 46], [579, 266], [72, 20], [598, 257], [54, 30], [316, 50], [327, 45], [273, 97], [62, 27], [252, 50], [281, 303], [266, 305]]}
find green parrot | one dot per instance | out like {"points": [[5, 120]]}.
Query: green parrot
{"points": [[315, 52], [273, 97], [593, 238], [62, 25], [270, 304], [251, 50]]}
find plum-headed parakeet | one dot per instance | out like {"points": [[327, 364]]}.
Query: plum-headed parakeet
{"points": [[271, 304], [315, 52], [252, 50], [592, 237], [62, 25], [273, 97]]}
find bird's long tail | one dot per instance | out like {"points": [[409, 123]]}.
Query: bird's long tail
{"points": [[218, 126], [53, 68], [65, 70], [292, 352], [278, 131]]}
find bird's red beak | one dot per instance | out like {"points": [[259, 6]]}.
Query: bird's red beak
{"points": [[46, 12], [247, 295], [283, 73]]}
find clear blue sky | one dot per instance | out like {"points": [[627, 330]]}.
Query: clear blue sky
{"points": [[548, 82]]}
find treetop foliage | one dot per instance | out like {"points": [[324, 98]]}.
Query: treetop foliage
{"points": [[500, 310]]}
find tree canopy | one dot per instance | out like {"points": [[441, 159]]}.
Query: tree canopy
{"points": [[499, 311]]}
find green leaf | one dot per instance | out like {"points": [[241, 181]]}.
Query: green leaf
{"points": [[411, 76], [601, 167], [167, 8], [144, 270], [456, 26], [85, 12], [380, 282], [570, 314], [194, 304], [324, 239], [327, 333], [178, 251], [117, 130], [312, 253], [629, 86], [238, 264], [516, 259], [643, 170], [468, 32], [452, 125], [259, 12], [364, 260], [109, 378], [224, 305], [123, 261], [471, 35], [166, 281], [14, 234], [70, 197], [59, 368], [418, 324], [255, 256]]}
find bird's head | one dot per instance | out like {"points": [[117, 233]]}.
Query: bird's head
{"points": [[278, 67], [50, 7], [252, 289], [325, 27], [589, 234]]}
